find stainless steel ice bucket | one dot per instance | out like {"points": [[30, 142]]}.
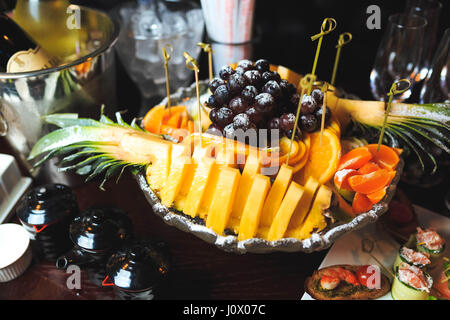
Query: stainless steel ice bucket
{"points": [[81, 86]]}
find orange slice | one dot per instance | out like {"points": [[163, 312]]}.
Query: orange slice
{"points": [[355, 159], [386, 157], [153, 119], [371, 182], [368, 168], [376, 196], [341, 178], [323, 156], [361, 203]]}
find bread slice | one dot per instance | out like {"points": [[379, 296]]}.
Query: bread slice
{"points": [[344, 291]]}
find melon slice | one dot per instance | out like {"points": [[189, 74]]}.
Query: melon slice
{"points": [[251, 168], [284, 213], [303, 207], [222, 201], [276, 194], [251, 213], [316, 221]]}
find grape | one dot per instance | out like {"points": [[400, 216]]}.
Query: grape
{"points": [[237, 105], [240, 70], [294, 100], [287, 88], [249, 93], [215, 130], [273, 88], [317, 95], [264, 102], [236, 83], [267, 76], [241, 121], [287, 121], [297, 134], [262, 65], [309, 123], [212, 102], [308, 105], [254, 115], [224, 117], [318, 114], [253, 77], [228, 131], [245, 64], [225, 72], [214, 83], [274, 123], [213, 115], [222, 94]]}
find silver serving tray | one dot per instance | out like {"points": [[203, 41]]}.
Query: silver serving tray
{"points": [[318, 241]]}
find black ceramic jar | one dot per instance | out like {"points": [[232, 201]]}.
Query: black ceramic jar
{"points": [[138, 271], [46, 212], [96, 234]]}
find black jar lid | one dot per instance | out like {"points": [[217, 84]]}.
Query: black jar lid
{"points": [[46, 204], [140, 266], [101, 228]]}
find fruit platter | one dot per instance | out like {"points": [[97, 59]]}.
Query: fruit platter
{"points": [[227, 160]]}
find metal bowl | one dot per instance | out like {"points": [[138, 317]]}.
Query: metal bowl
{"points": [[318, 241], [27, 96]]}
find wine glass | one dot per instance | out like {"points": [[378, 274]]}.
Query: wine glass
{"points": [[398, 56], [437, 83], [430, 10]]}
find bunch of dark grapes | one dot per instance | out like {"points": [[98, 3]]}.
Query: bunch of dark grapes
{"points": [[253, 97]]}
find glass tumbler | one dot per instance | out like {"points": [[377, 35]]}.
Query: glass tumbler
{"points": [[399, 55]]}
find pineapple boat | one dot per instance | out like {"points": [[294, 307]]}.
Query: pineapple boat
{"points": [[300, 196]]}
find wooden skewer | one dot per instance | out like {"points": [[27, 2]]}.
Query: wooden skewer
{"points": [[341, 42], [166, 57], [328, 25], [192, 64], [392, 92], [207, 48]]}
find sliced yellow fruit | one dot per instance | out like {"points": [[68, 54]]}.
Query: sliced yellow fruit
{"points": [[198, 156], [324, 155], [316, 221], [222, 202], [251, 168], [179, 168], [276, 194], [303, 207], [202, 176], [251, 214], [284, 213]]}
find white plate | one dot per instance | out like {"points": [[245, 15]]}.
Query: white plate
{"points": [[347, 250]]}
